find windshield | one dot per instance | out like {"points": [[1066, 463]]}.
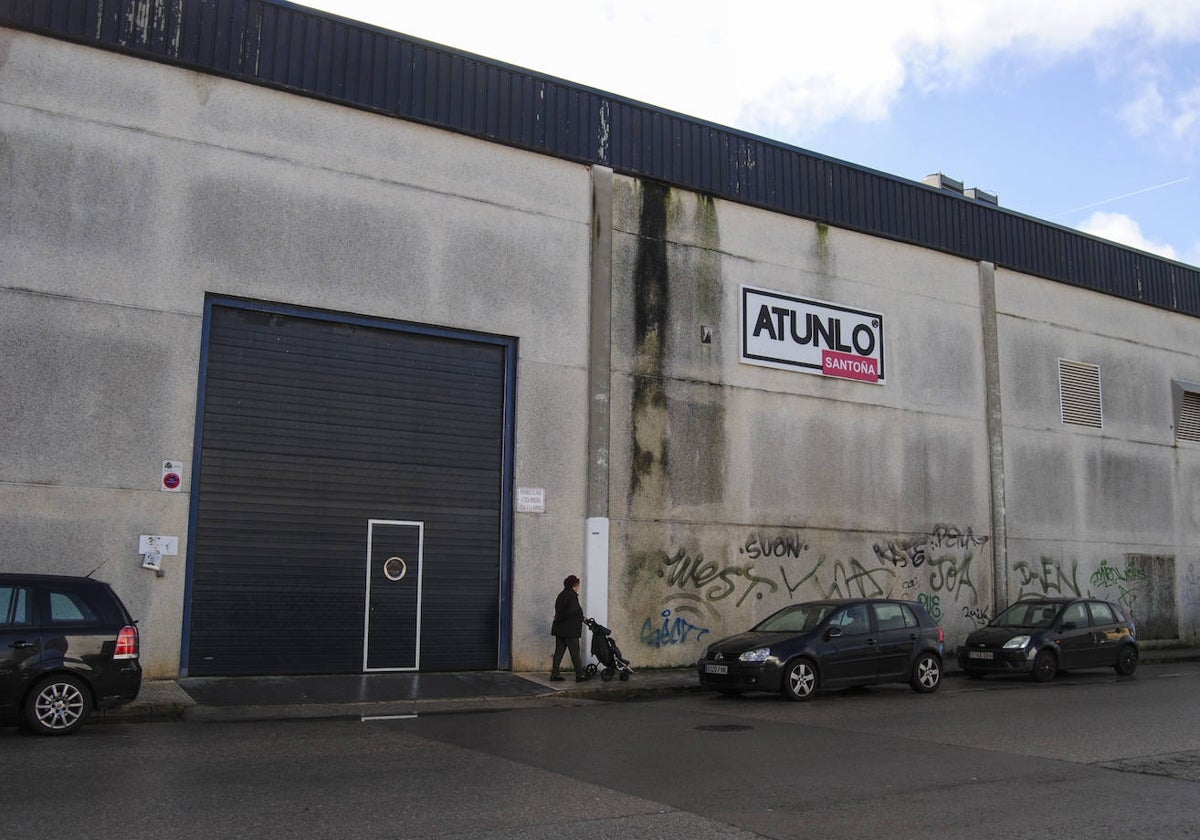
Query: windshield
{"points": [[795, 619], [1028, 614]]}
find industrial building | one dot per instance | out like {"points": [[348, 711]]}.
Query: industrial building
{"points": [[335, 351]]}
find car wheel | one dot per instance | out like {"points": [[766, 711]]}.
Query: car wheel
{"points": [[1045, 666], [926, 674], [1127, 661], [799, 680], [57, 705]]}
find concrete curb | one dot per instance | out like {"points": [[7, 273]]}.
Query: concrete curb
{"points": [[166, 700]]}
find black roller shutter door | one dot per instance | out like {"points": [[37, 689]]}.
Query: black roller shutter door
{"points": [[311, 428]]}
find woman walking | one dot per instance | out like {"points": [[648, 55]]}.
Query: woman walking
{"points": [[567, 628]]}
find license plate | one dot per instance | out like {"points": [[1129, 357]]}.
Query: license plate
{"points": [[980, 654], [716, 669]]}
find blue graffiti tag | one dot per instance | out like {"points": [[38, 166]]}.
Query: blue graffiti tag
{"points": [[673, 631]]}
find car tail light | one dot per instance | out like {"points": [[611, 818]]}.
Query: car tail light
{"points": [[941, 635], [127, 643]]}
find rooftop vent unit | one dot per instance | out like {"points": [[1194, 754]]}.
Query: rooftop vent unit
{"points": [[981, 195], [942, 182]]}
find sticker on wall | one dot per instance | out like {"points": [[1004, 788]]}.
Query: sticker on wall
{"points": [[172, 476], [811, 336]]}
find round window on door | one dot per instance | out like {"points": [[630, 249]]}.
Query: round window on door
{"points": [[394, 568]]}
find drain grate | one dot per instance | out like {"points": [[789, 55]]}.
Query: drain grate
{"points": [[723, 727]]}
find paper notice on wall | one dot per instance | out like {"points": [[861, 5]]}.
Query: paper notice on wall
{"points": [[531, 500]]}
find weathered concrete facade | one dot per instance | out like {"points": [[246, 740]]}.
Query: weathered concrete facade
{"points": [[716, 491]]}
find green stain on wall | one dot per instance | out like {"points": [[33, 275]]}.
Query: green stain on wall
{"points": [[651, 285], [821, 251], [677, 287]]}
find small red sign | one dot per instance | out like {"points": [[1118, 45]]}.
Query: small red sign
{"points": [[171, 481], [847, 366]]}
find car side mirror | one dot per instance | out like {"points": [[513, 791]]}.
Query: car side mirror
{"points": [[833, 633]]}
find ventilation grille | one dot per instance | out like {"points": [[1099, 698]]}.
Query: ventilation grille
{"points": [[1079, 390], [1187, 425]]}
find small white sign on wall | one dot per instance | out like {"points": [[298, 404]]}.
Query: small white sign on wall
{"points": [[531, 500], [168, 546]]}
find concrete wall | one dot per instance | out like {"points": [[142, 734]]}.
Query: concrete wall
{"points": [[131, 190], [737, 489], [1115, 511]]}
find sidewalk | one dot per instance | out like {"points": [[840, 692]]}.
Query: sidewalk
{"points": [[215, 699], [365, 696]]}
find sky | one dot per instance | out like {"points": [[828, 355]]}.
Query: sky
{"points": [[1085, 113]]}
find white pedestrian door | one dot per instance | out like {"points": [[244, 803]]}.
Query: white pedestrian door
{"points": [[392, 624]]}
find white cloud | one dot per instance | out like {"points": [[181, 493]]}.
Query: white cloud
{"points": [[1175, 117], [1145, 113], [778, 65], [1185, 124], [1118, 227]]}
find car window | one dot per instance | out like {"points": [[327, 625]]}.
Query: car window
{"points": [[892, 617], [1076, 613], [69, 606], [14, 605], [853, 620], [794, 619], [1102, 613], [1027, 614]]}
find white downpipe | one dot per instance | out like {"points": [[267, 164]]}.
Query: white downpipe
{"points": [[595, 570]]}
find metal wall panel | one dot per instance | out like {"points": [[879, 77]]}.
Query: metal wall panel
{"points": [[276, 43]]}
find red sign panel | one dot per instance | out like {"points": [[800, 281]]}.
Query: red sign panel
{"points": [[848, 366]]}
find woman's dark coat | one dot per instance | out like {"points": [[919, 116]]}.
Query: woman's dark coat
{"points": [[568, 615]]}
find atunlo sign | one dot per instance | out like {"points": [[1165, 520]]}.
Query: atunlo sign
{"points": [[811, 336]]}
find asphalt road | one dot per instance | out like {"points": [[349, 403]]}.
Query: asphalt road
{"points": [[1086, 756]]}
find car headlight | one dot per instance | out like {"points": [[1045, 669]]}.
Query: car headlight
{"points": [[756, 655], [1016, 643]]}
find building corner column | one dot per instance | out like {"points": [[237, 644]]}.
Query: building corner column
{"points": [[995, 434], [596, 562]]}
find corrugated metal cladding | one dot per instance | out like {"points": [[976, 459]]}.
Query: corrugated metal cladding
{"points": [[314, 432], [277, 44]]}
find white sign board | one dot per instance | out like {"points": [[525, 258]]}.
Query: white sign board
{"points": [[811, 336], [531, 500], [168, 546]]}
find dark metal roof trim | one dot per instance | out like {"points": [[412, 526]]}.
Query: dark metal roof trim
{"points": [[282, 45]]}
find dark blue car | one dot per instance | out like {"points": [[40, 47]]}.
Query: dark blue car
{"points": [[1042, 636], [829, 644]]}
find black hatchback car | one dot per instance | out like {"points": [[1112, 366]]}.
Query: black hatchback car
{"points": [[67, 646], [829, 644], [1042, 636]]}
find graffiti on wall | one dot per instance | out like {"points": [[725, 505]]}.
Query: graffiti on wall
{"points": [[1142, 583], [675, 630], [1123, 580], [935, 569], [1046, 577], [1191, 588]]}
